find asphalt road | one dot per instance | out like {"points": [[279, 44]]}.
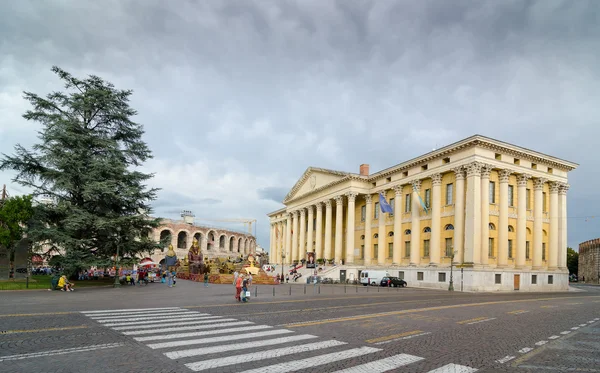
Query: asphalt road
{"points": [[301, 328]]}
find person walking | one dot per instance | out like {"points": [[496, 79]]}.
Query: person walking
{"points": [[205, 279], [238, 287]]}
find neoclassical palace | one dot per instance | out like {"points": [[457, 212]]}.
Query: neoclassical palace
{"points": [[495, 210], [214, 242]]}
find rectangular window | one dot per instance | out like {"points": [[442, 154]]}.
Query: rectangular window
{"points": [[491, 247], [528, 199], [543, 251], [390, 250], [420, 276], [426, 248], [449, 194], [533, 279], [407, 249], [376, 212], [375, 251], [550, 279], [392, 204], [510, 247], [442, 277], [401, 275], [511, 196], [363, 213], [544, 205], [527, 254], [492, 192], [407, 203], [498, 278], [428, 198], [448, 252]]}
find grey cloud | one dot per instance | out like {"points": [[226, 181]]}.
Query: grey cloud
{"points": [[339, 83]]}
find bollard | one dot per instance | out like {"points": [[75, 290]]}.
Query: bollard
{"points": [[290, 290], [273, 290], [255, 291], [378, 288]]}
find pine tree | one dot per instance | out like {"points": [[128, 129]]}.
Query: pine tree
{"points": [[86, 163]]}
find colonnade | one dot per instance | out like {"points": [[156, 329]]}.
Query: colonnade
{"points": [[471, 223]]}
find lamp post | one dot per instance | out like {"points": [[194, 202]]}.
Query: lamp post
{"points": [[282, 260], [451, 286], [117, 283]]}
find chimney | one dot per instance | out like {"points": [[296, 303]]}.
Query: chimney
{"points": [[364, 169]]}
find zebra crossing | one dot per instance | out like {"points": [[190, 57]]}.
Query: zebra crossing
{"points": [[206, 342]]}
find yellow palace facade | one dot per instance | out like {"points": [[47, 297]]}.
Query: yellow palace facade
{"points": [[496, 210]]}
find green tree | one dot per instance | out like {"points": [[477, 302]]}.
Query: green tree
{"points": [[15, 214], [86, 162], [572, 261]]}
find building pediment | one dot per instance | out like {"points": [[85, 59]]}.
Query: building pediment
{"points": [[313, 179]]}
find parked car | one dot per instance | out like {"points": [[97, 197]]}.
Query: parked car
{"points": [[393, 282]]}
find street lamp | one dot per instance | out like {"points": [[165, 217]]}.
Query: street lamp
{"points": [[117, 283], [451, 286], [282, 258]]}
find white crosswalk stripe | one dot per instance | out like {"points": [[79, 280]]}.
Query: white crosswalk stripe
{"points": [[230, 342]]}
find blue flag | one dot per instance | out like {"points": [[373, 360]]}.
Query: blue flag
{"points": [[385, 206], [423, 204]]}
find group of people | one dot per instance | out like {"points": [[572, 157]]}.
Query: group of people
{"points": [[242, 284]]}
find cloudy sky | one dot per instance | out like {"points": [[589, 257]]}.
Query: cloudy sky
{"points": [[238, 98]]}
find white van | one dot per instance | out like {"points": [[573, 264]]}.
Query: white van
{"points": [[372, 277]]}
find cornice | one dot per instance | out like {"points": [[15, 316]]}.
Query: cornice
{"points": [[304, 177]]}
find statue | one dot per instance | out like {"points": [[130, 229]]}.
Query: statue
{"points": [[252, 269], [195, 259], [171, 258]]}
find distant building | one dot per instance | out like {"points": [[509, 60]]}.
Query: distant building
{"points": [[589, 261], [499, 210]]}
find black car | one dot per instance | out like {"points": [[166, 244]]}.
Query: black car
{"points": [[393, 282]]}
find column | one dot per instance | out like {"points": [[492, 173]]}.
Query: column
{"points": [[538, 234], [554, 218], [288, 239], [280, 244], [503, 219], [415, 229], [272, 244], [319, 233], [302, 240], [381, 237], [436, 220], [368, 235], [397, 225], [328, 229], [485, 214], [309, 234], [562, 229], [350, 227], [473, 215], [295, 251], [521, 219], [339, 227], [459, 214]]}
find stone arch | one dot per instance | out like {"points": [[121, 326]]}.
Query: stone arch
{"points": [[239, 246], [222, 242], [210, 240], [198, 237], [492, 227], [449, 227], [246, 246], [165, 238], [182, 239], [407, 232], [231, 243], [427, 230], [511, 228]]}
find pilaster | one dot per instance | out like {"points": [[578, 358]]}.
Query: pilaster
{"points": [[504, 176], [459, 214], [415, 237], [350, 227], [369, 213], [485, 214]]}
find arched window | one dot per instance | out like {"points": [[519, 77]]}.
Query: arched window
{"points": [[492, 227], [510, 228], [427, 230], [362, 237], [449, 227], [391, 234], [528, 230], [407, 232], [376, 235]]}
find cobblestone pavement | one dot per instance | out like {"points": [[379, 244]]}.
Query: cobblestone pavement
{"points": [[328, 329]]}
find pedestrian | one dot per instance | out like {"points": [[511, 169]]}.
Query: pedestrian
{"points": [[245, 287], [235, 277], [238, 287], [169, 279], [206, 279]]}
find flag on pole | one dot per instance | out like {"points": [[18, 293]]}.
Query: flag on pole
{"points": [[385, 206], [422, 203]]}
